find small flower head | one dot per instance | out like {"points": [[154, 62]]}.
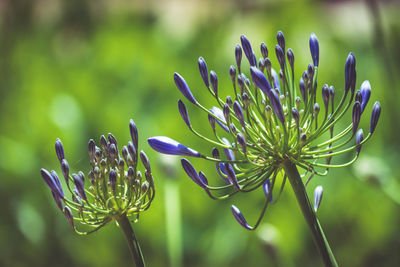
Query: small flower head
{"points": [[114, 186], [270, 119]]}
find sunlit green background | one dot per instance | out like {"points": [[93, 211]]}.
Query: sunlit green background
{"points": [[76, 69]]}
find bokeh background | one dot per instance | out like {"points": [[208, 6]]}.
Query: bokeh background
{"points": [[76, 69]]}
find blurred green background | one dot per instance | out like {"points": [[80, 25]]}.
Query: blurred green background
{"points": [[76, 69]]}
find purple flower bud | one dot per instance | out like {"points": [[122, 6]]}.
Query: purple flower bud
{"points": [[350, 72], [132, 151], [264, 50], [281, 56], [220, 114], [302, 89], [59, 150], [242, 142], [275, 80], [203, 71], [215, 153], [376, 112], [221, 171], [69, 216], [113, 140], [229, 101], [314, 49], [358, 96], [49, 180], [246, 100], [260, 80], [276, 106], [317, 197], [238, 56], [240, 218], [359, 139], [290, 57], [240, 81], [232, 73], [80, 186], [104, 145], [113, 179], [239, 113], [332, 92], [92, 151], [145, 160], [261, 64], [230, 172], [228, 152], [192, 173], [365, 90], [267, 188], [184, 113], [248, 51], [233, 128], [169, 146], [226, 112], [316, 109], [65, 170], [214, 82], [134, 133], [57, 199], [203, 178], [113, 151], [211, 120], [325, 95], [184, 88], [296, 116], [57, 183], [356, 115], [281, 40]]}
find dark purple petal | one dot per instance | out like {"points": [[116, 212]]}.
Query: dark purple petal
{"points": [[204, 71], [290, 57], [184, 113], [280, 54], [192, 173], [92, 151], [134, 133], [365, 90], [359, 139], [356, 115], [169, 146], [240, 218], [314, 49], [317, 197], [325, 95], [302, 89], [238, 56], [350, 72], [59, 150], [281, 40], [376, 112], [248, 51], [113, 179], [264, 50], [184, 88], [49, 180], [214, 82], [239, 113]]}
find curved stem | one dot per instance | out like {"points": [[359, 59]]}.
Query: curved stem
{"points": [[316, 230], [133, 244]]}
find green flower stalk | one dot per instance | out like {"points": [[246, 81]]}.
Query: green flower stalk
{"points": [[272, 125], [115, 190]]}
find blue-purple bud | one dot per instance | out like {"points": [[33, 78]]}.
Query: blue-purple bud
{"points": [[232, 73], [230, 172], [184, 88], [267, 189], [58, 184], [69, 216], [276, 105], [350, 72], [228, 152], [226, 112], [240, 218], [57, 200], [281, 40], [358, 96], [220, 114], [317, 197], [296, 116], [80, 186], [134, 133], [184, 113], [248, 51], [290, 57], [281, 56], [65, 170], [215, 153], [359, 139], [92, 151], [264, 50], [260, 80], [113, 179], [229, 101], [356, 115], [192, 173], [238, 56], [214, 82], [314, 49], [239, 113], [222, 172], [204, 71], [242, 142], [261, 64], [203, 178], [145, 161], [302, 89], [59, 150], [49, 180], [325, 95], [376, 112], [113, 140], [275, 78], [365, 90], [169, 146]]}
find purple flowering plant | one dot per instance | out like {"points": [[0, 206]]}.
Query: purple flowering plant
{"points": [[273, 125], [114, 191]]}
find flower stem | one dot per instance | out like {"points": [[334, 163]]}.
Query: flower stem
{"points": [[132, 241], [316, 230]]}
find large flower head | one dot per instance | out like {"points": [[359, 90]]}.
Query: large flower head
{"points": [[114, 186], [271, 117]]}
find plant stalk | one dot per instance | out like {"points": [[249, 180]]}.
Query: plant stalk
{"points": [[316, 230], [133, 244]]}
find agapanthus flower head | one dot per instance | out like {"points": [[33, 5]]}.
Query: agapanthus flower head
{"points": [[274, 120], [114, 186]]}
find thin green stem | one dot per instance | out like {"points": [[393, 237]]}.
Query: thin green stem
{"points": [[302, 198], [133, 244]]}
